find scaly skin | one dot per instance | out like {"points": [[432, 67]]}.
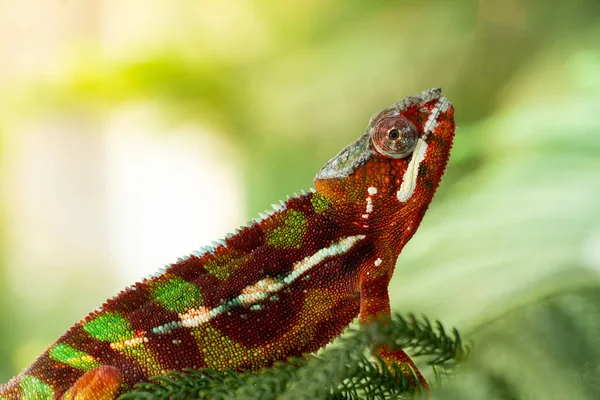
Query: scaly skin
{"points": [[285, 285]]}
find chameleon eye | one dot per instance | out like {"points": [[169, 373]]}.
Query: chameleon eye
{"points": [[394, 137]]}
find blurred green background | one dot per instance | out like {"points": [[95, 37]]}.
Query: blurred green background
{"points": [[133, 133]]}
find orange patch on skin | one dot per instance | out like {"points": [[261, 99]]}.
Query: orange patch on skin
{"points": [[102, 383]]}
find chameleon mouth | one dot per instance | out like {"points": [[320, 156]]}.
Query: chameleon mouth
{"points": [[432, 121], [409, 180]]}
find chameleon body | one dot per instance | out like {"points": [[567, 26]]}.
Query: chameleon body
{"points": [[282, 286]]}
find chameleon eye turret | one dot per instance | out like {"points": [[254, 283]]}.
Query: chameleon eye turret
{"points": [[394, 137]]}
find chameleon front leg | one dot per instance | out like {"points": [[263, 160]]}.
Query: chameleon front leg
{"points": [[375, 305], [101, 383]]}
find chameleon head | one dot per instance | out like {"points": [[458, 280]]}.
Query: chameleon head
{"points": [[396, 166]]}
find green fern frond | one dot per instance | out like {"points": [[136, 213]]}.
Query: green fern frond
{"points": [[343, 371]]}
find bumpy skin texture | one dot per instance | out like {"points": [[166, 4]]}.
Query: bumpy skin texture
{"points": [[283, 286]]}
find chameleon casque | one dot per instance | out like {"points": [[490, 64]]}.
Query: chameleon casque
{"points": [[284, 285]]}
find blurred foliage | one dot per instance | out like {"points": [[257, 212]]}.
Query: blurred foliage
{"points": [[510, 249], [545, 349]]}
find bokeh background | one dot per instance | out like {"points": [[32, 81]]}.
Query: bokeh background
{"points": [[135, 132]]}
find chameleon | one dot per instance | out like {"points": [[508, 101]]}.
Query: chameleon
{"points": [[283, 285]]}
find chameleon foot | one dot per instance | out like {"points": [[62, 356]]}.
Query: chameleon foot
{"points": [[406, 365]]}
